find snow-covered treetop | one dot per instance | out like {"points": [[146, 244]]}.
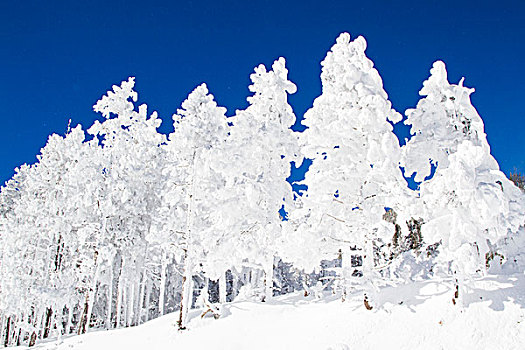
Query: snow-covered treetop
{"points": [[120, 103], [265, 124], [117, 101], [273, 86], [441, 120], [346, 69], [200, 121], [348, 124]]}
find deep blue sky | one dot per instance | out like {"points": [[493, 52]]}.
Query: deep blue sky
{"points": [[58, 57]]}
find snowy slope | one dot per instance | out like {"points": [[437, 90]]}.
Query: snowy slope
{"points": [[415, 316]]}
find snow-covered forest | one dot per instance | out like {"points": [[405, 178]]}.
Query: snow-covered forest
{"points": [[117, 224]]}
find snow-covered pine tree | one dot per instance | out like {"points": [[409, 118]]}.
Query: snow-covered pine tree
{"points": [[469, 203], [132, 156], [46, 235], [198, 141], [263, 147], [355, 172]]}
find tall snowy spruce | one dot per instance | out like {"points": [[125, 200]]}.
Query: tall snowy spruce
{"points": [[199, 140], [468, 204], [263, 147], [354, 175], [132, 180]]}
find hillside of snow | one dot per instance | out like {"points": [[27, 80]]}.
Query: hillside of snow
{"points": [[419, 315]]}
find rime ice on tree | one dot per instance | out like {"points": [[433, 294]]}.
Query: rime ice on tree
{"points": [[355, 173], [469, 204]]}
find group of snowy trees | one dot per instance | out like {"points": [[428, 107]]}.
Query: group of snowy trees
{"points": [[125, 224]]}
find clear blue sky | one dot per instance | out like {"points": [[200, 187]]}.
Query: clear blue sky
{"points": [[58, 57]]}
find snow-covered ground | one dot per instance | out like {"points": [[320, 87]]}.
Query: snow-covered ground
{"points": [[420, 315]]}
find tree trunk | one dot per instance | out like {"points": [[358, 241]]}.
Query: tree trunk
{"points": [[58, 256], [268, 280], [2, 325], [222, 288], [91, 301], [110, 300], [47, 324], [458, 288], [205, 294], [346, 271], [7, 331], [186, 292], [147, 300], [131, 304], [69, 319], [83, 317], [306, 287], [162, 287], [41, 326], [369, 286], [125, 292], [118, 305], [140, 299], [90, 296], [32, 340], [367, 304]]}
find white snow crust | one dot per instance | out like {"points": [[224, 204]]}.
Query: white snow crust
{"points": [[417, 315]]}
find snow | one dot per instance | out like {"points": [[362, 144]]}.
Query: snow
{"points": [[418, 315]]}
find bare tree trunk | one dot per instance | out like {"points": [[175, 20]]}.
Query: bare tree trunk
{"points": [[222, 288], [367, 304], [368, 265], [458, 287], [205, 295], [41, 326], [82, 322], [119, 295], [346, 267], [32, 340], [69, 319], [162, 287], [125, 292], [268, 279], [47, 324], [147, 301], [110, 300], [7, 331], [306, 287], [18, 337], [140, 299], [186, 293], [2, 325], [131, 304], [90, 298], [91, 301], [58, 256]]}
